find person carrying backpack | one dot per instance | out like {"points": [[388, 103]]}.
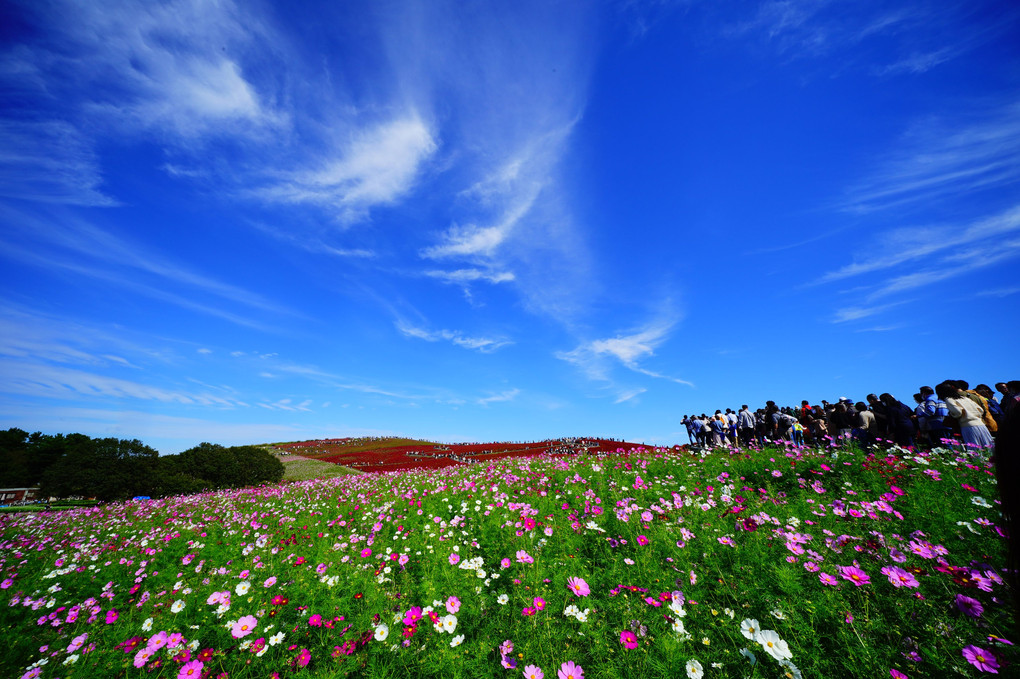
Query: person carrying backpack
{"points": [[934, 411]]}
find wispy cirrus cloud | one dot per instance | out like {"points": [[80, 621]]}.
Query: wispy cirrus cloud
{"points": [[869, 36], [940, 158], [482, 344], [506, 395], [856, 313], [49, 161], [59, 382], [461, 276], [172, 66], [377, 167], [912, 244], [597, 357]]}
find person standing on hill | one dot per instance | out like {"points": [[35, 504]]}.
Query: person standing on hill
{"points": [[745, 426], [986, 415], [690, 429], [866, 427], [881, 415], [967, 413], [900, 420], [935, 414], [994, 408]]}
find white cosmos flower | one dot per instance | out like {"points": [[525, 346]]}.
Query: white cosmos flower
{"points": [[749, 655], [773, 645], [177, 606], [749, 628], [502, 599], [694, 669], [677, 607], [147, 625], [457, 641], [381, 632], [276, 638], [242, 588], [449, 623]]}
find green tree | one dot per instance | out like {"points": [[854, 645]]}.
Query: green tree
{"points": [[107, 469], [256, 466]]}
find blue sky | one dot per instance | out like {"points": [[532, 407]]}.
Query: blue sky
{"points": [[245, 222]]}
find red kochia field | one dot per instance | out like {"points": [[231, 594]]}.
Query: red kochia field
{"points": [[390, 454]]}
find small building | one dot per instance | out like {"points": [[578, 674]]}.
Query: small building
{"points": [[8, 495]]}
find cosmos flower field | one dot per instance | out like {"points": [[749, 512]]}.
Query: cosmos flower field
{"points": [[650, 563]]}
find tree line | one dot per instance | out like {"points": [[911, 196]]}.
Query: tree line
{"points": [[75, 465]]}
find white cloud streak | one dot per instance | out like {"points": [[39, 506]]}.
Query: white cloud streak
{"points": [[943, 159], [628, 350], [484, 345], [376, 168], [50, 162]]}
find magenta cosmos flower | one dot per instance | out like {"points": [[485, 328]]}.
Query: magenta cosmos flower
{"points": [[454, 558], [854, 575], [569, 670], [532, 672], [628, 639], [578, 586], [971, 607], [981, 659], [191, 670], [642, 540], [828, 579], [304, 657], [412, 616]]}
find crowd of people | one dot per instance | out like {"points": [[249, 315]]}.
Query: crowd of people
{"points": [[951, 412]]}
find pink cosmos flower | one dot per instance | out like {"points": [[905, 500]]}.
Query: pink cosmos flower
{"points": [[532, 672], [827, 579], [628, 639], [578, 586], [642, 540], [304, 657], [454, 558], [569, 670], [244, 626], [191, 670], [896, 674], [899, 577], [539, 603], [365, 553], [505, 563], [315, 621], [854, 575], [453, 604], [404, 558], [981, 659], [142, 657], [77, 642], [270, 581], [528, 610], [111, 616], [971, 607], [524, 557]]}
